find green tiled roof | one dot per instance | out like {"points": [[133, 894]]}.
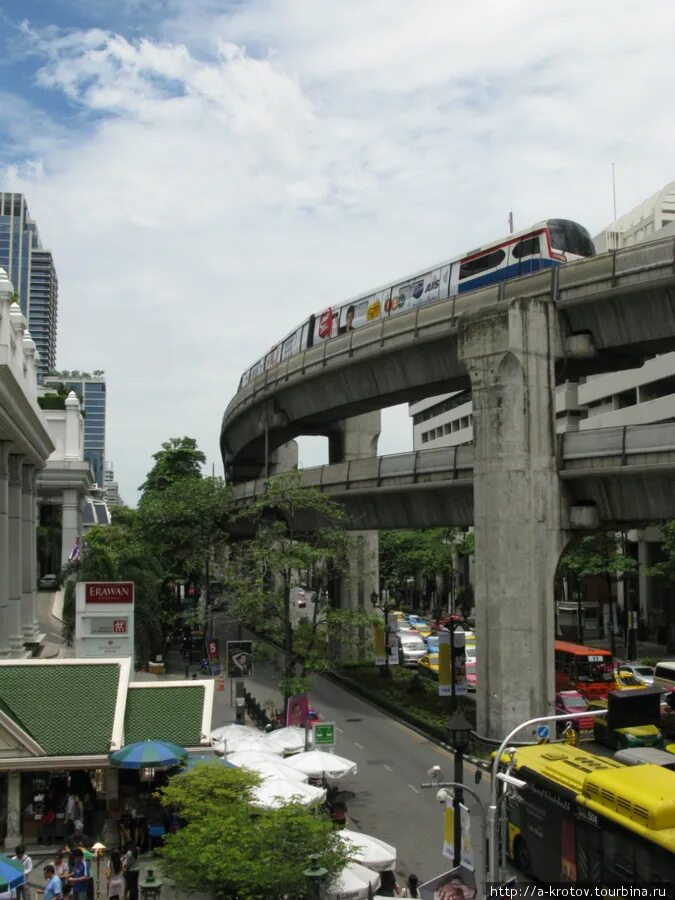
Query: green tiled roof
{"points": [[164, 714], [7, 709], [67, 709]]}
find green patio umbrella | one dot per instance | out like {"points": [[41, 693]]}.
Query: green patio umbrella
{"points": [[149, 755]]}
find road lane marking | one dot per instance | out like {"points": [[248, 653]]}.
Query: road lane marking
{"points": [[388, 768], [339, 730], [358, 745], [413, 788]]}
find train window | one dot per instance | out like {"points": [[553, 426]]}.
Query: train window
{"points": [[481, 264], [528, 247], [570, 237]]}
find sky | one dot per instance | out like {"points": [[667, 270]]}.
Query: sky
{"points": [[208, 174]]}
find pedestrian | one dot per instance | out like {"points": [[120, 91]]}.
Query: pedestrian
{"points": [[115, 876], [78, 838], [388, 885], [53, 889], [23, 891], [79, 878], [60, 866], [131, 868], [70, 812], [410, 890]]}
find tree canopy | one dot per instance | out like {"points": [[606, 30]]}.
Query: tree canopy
{"points": [[179, 458], [230, 848]]}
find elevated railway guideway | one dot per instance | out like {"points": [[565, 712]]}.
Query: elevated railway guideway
{"points": [[509, 344], [613, 311]]}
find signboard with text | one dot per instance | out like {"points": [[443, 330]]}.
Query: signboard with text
{"points": [[240, 659], [212, 656], [324, 734], [104, 619]]}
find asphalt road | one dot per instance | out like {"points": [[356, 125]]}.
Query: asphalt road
{"points": [[392, 761]]}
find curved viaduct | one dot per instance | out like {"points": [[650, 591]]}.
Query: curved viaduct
{"points": [[510, 344]]}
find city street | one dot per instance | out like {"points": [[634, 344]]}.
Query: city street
{"points": [[392, 761]]}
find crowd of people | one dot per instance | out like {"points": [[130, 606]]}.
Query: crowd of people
{"points": [[69, 876]]}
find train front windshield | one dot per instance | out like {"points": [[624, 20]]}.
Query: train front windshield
{"points": [[570, 237]]}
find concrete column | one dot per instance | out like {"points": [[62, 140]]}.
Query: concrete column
{"points": [[508, 351], [13, 810], [4, 548], [72, 449], [29, 556], [644, 581], [14, 619], [284, 459], [70, 522], [357, 438]]}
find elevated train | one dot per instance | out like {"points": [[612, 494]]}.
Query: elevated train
{"points": [[544, 244]]}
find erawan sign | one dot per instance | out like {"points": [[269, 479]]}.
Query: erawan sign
{"points": [[104, 619], [108, 592]]}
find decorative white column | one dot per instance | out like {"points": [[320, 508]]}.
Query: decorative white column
{"points": [[72, 448], [13, 810], [4, 547], [70, 522], [14, 620], [29, 620]]}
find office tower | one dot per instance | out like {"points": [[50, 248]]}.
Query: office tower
{"points": [[31, 269], [91, 392], [112, 490]]}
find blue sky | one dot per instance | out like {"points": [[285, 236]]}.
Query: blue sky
{"points": [[208, 174]]}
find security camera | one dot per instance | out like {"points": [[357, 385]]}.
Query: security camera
{"points": [[442, 796], [434, 772]]}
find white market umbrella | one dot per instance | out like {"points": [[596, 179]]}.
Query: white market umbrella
{"points": [[290, 739], [225, 731], [317, 764], [256, 742], [273, 793], [368, 850], [266, 765], [353, 883]]}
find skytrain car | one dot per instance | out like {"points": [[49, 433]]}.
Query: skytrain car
{"points": [[544, 244]]}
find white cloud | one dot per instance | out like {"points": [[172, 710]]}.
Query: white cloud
{"points": [[239, 170]]}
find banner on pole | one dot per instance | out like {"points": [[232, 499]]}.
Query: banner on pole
{"points": [[459, 663], [466, 858], [449, 831], [380, 649], [444, 665]]}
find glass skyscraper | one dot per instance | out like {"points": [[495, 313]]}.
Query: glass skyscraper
{"points": [[31, 270], [91, 391]]}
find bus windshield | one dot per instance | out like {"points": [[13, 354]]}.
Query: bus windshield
{"points": [[570, 237], [594, 671]]}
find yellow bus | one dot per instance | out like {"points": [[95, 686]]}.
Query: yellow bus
{"points": [[586, 818]]}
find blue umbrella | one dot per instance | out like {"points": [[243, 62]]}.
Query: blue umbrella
{"points": [[12, 874], [211, 760], [149, 755]]}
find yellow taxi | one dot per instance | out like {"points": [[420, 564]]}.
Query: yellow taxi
{"points": [[429, 664]]}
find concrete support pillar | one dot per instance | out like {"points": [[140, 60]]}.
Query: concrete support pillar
{"points": [[283, 459], [644, 581], [29, 620], [508, 351], [70, 523], [357, 438], [13, 810], [4, 548], [14, 618]]}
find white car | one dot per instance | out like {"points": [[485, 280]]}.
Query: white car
{"points": [[411, 647], [645, 674]]}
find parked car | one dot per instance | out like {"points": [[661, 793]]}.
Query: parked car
{"points": [[48, 583], [421, 626], [664, 674], [573, 702], [428, 664], [411, 647], [668, 714], [645, 674], [636, 756]]}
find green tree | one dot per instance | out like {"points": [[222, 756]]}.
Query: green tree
{"points": [[230, 848], [178, 459], [596, 554], [299, 539], [665, 569]]}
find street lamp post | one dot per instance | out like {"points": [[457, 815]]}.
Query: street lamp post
{"points": [[315, 875], [460, 730], [382, 602], [483, 821], [98, 849]]}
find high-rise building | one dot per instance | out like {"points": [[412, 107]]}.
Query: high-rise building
{"points": [[91, 391], [31, 270], [112, 490]]}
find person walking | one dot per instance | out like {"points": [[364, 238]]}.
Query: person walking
{"points": [[53, 889], [411, 888], [115, 876], [23, 891], [388, 885], [79, 878], [131, 868], [60, 866]]}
